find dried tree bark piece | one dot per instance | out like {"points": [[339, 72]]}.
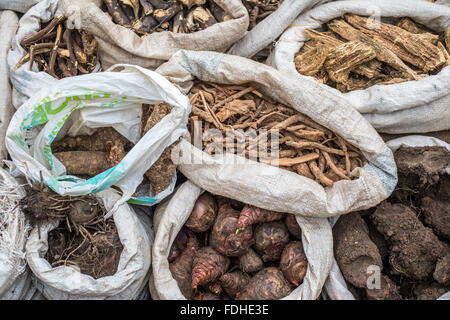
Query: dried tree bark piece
{"points": [[311, 61], [410, 26], [385, 55], [406, 45], [342, 59], [235, 107], [446, 54]]}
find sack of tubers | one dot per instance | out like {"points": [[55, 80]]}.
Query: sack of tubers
{"points": [[148, 32], [212, 248], [229, 92], [86, 134], [75, 253], [406, 237], [391, 66], [44, 49], [268, 20]]}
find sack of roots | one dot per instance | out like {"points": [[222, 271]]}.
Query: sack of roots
{"points": [[28, 81], [170, 217], [337, 288], [397, 105], [21, 6], [98, 100], [269, 29], [13, 232], [118, 44], [271, 187], [8, 27], [67, 282]]}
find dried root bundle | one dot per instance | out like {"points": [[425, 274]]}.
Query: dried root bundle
{"points": [[352, 54], [83, 238], [178, 16], [89, 155], [220, 262], [301, 145], [59, 51]]}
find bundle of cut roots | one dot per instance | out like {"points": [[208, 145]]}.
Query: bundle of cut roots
{"points": [[407, 237], [229, 250], [298, 143], [178, 16], [83, 238], [87, 156], [355, 54], [60, 52], [258, 10]]}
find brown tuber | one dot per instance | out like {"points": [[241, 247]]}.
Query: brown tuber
{"points": [[208, 266], [179, 244], [181, 268], [250, 262], [203, 214], [293, 263], [251, 215], [268, 284], [234, 282], [270, 240], [414, 248], [293, 227], [224, 237], [354, 250]]}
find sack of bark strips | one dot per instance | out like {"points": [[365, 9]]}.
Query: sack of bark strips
{"points": [[55, 51], [103, 259], [423, 273], [13, 234], [170, 217], [298, 190], [21, 6], [121, 44], [8, 27], [83, 134], [262, 33], [400, 86]]}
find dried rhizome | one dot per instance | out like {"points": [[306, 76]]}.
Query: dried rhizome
{"points": [[178, 16], [293, 141], [230, 250], [83, 238], [258, 10], [406, 237], [60, 51], [355, 53], [86, 156]]}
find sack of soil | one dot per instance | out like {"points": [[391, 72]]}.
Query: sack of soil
{"points": [[91, 160], [268, 20], [21, 6], [121, 44], [8, 27], [13, 233], [406, 238], [252, 254], [77, 254], [324, 187], [44, 50], [401, 85]]}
